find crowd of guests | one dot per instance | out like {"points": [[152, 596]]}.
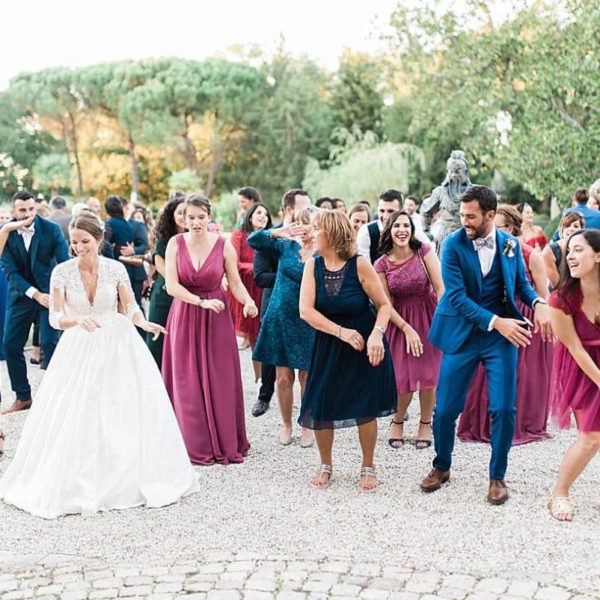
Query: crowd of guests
{"points": [[362, 309]]}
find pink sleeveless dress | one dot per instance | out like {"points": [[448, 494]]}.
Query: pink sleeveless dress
{"points": [[571, 389], [201, 365]]}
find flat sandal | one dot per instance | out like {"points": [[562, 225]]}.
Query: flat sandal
{"points": [[324, 470], [561, 505], [368, 472]]}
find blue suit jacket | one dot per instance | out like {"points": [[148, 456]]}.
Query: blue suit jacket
{"points": [[120, 232], [48, 248], [459, 310]]}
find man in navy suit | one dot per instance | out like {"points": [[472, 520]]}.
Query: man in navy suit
{"points": [[477, 321], [29, 256]]}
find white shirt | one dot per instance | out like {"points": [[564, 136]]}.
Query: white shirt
{"points": [[27, 234], [419, 231], [363, 239], [486, 255]]}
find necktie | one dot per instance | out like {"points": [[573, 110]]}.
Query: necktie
{"points": [[480, 243]]}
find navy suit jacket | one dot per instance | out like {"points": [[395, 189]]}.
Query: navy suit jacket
{"points": [[459, 310], [120, 232], [48, 248]]}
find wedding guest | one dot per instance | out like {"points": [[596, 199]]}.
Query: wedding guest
{"points": [[477, 321], [285, 340], [29, 256], [94, 205], [171, 222], [575, 314], [553, 254], [326, 203], [101, 434], [339, 205], [593, 203], [531, 234], [127, 238], [142, 215], [367, 238], [265, 272], [534, 364], [359, 215], [411, 207], [579, 200], [60, 214], [247, 198], [411, 277], [594, 196], [258, 217], [200, 346], [351, 377]]}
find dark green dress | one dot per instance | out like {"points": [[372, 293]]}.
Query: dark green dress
{"points": [[160, 304]]}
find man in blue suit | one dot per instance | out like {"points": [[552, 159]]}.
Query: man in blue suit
{"points": [[29, 256], [477, 321]]}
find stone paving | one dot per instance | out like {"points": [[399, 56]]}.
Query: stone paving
{"points": [[224, 576]]}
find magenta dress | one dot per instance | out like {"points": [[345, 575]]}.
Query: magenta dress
{"points": [[415, 301], [201, 365], [571, 389], [534, 368]]}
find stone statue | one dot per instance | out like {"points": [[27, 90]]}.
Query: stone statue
{"points": [[446, 197]]}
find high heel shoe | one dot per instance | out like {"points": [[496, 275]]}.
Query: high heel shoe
{"points": [[396, 443], [421, 444]]}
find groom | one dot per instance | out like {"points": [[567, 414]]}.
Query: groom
{"points": [[476, 322], [29, 256]]}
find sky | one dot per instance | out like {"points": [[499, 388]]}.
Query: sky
{"points": [[46, 33]]}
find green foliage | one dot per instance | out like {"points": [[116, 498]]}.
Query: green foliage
{"points": [[225, 211], [363, 173], [185, 180], [52, 173]]}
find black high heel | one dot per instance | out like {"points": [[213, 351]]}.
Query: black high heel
{"points": [[397, 443], [422, 444]]}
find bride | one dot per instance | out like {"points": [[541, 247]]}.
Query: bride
{"points": [[101, 433]]}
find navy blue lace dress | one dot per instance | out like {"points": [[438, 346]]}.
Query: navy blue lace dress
{"points": [[343, 389]]}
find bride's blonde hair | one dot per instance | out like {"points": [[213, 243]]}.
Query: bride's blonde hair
{"points": [[87, 221]]}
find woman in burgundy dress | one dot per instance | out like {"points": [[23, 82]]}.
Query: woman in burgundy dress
{"points": [[533, 368], [410, 275], [258, 217], [201, 365], [575, 317]]}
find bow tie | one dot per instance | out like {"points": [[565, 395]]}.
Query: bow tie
{"points": [[480, 243]]}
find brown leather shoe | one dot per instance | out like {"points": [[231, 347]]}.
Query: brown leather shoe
{"points": [[434, 480], [498, 493], [17, 405]]}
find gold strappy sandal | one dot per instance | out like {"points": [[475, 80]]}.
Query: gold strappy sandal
{"points": [[561, 505]]}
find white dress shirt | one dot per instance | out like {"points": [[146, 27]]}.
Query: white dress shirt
{"points": [[27, 234], [363, 239], [486, 254]]}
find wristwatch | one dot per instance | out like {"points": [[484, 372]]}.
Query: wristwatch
{"points": [[380, 328]]}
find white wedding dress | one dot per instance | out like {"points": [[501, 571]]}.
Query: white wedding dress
{"points": [[101, 433]]}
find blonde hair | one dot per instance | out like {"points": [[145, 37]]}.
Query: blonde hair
{"points": [[338, 231], [304, 215], [89, 222]]}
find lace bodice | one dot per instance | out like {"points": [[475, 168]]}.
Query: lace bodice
{"points": [[66, 277]]}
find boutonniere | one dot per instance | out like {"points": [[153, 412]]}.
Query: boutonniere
{"points": [[509, 248]]}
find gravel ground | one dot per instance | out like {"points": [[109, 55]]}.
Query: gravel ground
{"points": [[267, 506]]}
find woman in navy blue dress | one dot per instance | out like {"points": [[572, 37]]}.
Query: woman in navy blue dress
{"points": [[284, 339], [351, 376]]}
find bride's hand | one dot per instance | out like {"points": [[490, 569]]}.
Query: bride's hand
{"points": [[88, 323], [154, 329]]}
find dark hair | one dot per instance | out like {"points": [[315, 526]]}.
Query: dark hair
{"points": [[360, 207], [322, 200], [569, 287], [483, 195], [247, 224], [289, 198], [385, 242], [22, 195], [198, 201], [113, 206], [250, 193], [165, 225], [581, 196], [176, 194], [58, 203], [414, 198], [337, 201], [391, 195], [570, 218]]}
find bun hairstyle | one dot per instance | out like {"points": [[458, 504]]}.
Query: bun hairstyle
{"points": [[512, 217], [87, 221], [198, 201]]}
